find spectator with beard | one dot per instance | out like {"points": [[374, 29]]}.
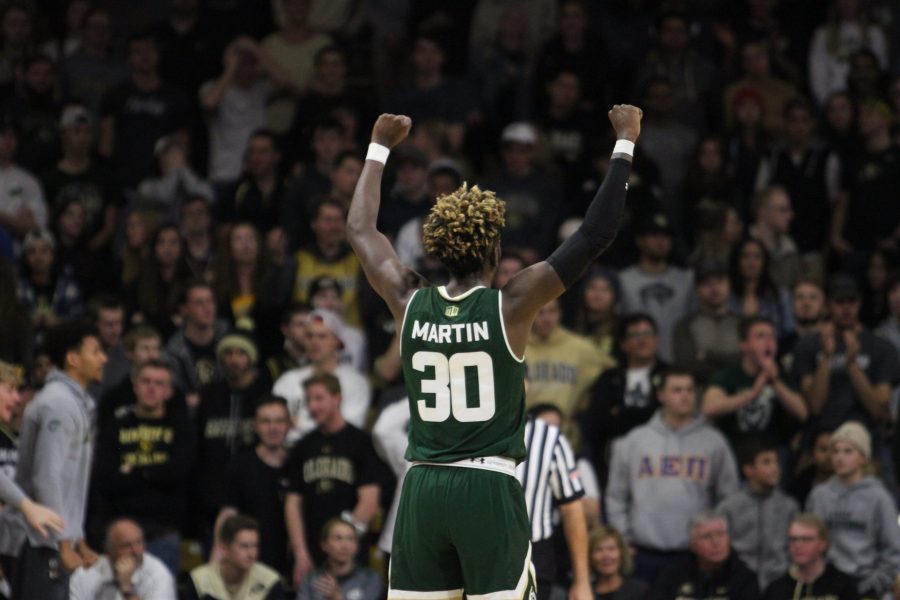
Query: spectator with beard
{"points": [[808, 307], [108, 314], [293, 329]]}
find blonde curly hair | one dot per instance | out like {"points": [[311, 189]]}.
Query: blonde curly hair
{"points": [[463, 229]]}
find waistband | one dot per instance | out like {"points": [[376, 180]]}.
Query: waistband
{"points": [[499, 464]]}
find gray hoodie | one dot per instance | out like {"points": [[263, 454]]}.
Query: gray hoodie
{"points": [[865, 537], [660, 477], [55, 449], [758, 527]]}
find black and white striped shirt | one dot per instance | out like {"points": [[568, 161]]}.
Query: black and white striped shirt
{"points": [[549, 473]]}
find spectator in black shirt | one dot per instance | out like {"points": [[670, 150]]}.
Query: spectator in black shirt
{"points": [[35, 108], [144, 457], [808, 307], [332, 471], [135, 114], [409, 198], [184, 34], [293, 329], [224, 422], [255, 482]]}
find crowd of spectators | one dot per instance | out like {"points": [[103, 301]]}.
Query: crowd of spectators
{"points": [[177, 174]]}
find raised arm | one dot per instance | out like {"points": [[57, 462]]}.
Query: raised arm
{"points": [[391, 279], [533, 287]]}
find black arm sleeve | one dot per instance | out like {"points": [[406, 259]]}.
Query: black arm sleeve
{"points": [[599, 227]]}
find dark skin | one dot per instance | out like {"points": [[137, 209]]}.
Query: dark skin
{"points": [[523, 295]]}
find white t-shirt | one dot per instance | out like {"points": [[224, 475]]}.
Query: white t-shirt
{"points": [[637, 387], [241, 111], [19, 189], [152, 581]]}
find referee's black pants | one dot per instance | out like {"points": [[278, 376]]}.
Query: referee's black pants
{"points": [[543, 557]]}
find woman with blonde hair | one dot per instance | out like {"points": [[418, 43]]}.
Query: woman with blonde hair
{"points": [[611, 567]]}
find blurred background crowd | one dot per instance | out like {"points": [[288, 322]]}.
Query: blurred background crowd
{"points": [[178, 172]]}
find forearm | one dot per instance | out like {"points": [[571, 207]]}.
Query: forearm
{"points": [[211, 98], [366, 504], [716, 403], [366, 201], [294, 521], [791, 400], [817, 391], [873, 398], [575, 529], [10, 493], [601, 222]]}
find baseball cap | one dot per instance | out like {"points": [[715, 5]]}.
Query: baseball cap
{"points": [[325, 282], [330, 320], [519, 133], [843, 287], [74, 115], [655, 222]]}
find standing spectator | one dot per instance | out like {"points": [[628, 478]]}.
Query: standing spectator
{"points": [[759, 514], [16, 330], [293, 352], [561, 365], [568, 128], [811, 573], [808, 172], [889, 329], [752, 396], [195, 221], [664, 472], [714, 571], [183, 32], [224, 421], [708, 339], [333, 471], [294, 47], [257, 197], [753, 291], [94, 68], [864, 216], [36, 107], [22, 206], [138, 112], [532, 196], [340, 576], [330, 254], [808, 309], [140, 223], [325, 293], [125, 571], [596, 317], [551, 481], [860, 513], [758, 76], [625, 397], [55, 450], [108, 313], [173, 181], [47, 290], [814, 467], [611, 565], [193, 347], [324, 337], [748, 147], [655, 286], [235, 105], [144, 458], [845, 370], [772, 216], [849, 28], [238, 569], [410, 197], [709, 177]]}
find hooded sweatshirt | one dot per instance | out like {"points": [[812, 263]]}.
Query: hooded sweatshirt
{"points": [[758, 526], [660, 477], [865, 537]]}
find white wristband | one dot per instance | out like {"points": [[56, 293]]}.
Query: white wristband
{"points": [[624, 147], [380, 153]]}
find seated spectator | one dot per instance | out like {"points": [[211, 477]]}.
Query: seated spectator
{"points": [[139, 226], [749, 148], [235, 104], [22, 206], [611, 564], [293, 330], [860, 513], [714, 571], [625, 397], [567, 127], [562, 365], [48, 293], [238, 569], [759, 515], [808, 309], [753, 396], [811, 574], [173, 181], [125, 571], [772, 215], [255, 482], [889, 329], [719, 229], [16, 330], [410, 197], [665, 471], [324, 335], [596, 317], [196, 223], [758, 76], [654, 285], [328, 253], [814, 466], [340, 576], [108, 314], [708, 339], [753, 291], [144, 457], [332, 472]]}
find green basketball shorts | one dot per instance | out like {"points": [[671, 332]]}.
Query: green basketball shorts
{"points": [[461, 531]]}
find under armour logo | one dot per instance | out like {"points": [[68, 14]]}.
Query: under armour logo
{"points": [[451, 311]]}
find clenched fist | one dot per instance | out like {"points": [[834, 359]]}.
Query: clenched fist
{"points": [[626, 120], [390, 130]]}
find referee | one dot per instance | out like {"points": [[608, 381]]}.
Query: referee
{"points": [[550, 479]]}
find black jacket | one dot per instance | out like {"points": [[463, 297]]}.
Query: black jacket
{"points": [[732, 581], [832, 584]]}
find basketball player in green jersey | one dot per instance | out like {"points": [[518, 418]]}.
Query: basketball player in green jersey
{"points": [[461, 525]]}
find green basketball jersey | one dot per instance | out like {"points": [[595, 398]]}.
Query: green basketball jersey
{"points": [[466, 388]]}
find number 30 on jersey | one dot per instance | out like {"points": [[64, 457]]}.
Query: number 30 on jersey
{"points": [[449, 386]]}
